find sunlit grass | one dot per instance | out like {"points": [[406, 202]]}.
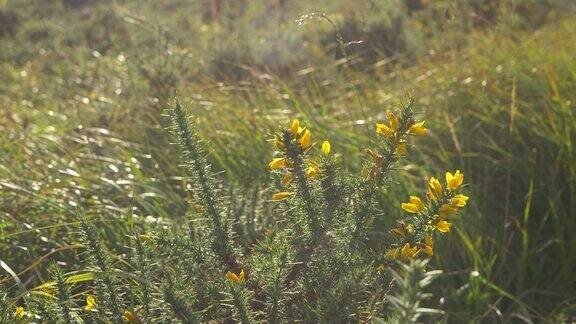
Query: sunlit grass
{"points": [[82, 125]]}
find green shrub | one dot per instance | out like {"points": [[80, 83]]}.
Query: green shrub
{"points": [[301, 254]]}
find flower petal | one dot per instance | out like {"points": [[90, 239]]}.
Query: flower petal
{"points": [[326, 148], [295, 127], [306, 139], [281, 196]]}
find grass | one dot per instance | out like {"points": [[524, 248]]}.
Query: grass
{"points": [[83, 91]]}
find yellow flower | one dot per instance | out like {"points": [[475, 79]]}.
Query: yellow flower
{"points": [[281, 195], [393, 254], [381, 268], [428, 245], [435, 190], [414, 205], [417, 129], [409, 252], [128, 317], [232, 277], [459, 200], [20, 312], [132, 317], [384, 130], [306, 139], [454, 182], [90, 303], [401, 149], [447, 209], [326, 148], [286, 179], [443, 226], [295, 127], [312, 172], [277, 163]]}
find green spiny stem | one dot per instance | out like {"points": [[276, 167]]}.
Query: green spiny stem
{"points": [[63, 296], [200, 168], [197, 270], [241, 303], [98, 253], [306, 251], [46, 309], [276, 291], [114, 300], [332, 197], [294, 154], [178, 305], [143, 267], [303, 256], [364, 202], [196, 159], [389, 158]]}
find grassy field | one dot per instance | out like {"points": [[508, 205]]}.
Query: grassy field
{"points": [[84, 88]]}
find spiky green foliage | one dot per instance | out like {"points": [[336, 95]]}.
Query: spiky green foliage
{"points": [[411, 280], [106, 288], [194, 156], [177, 297], [63, 295], [144, 269], [302, 259]]}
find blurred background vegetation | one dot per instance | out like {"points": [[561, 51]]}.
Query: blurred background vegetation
{"points": [[83, 86]]}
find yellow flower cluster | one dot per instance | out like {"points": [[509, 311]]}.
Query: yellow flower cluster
{"points": [[408, 251], [442, 202], [448, 202], [392, 130], [395, 135], [302, 138], [305, 135]]}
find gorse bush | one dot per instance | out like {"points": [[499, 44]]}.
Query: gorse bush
{"points": [[93, 200], [296, 251]]}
